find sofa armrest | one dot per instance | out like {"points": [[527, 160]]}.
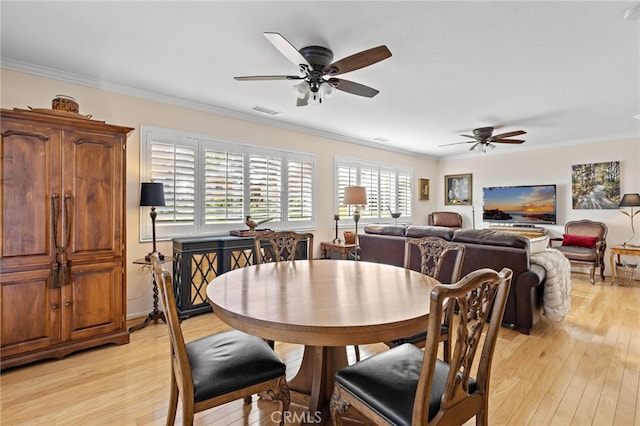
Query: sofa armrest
{"points": [[528, 298], [533, 277]]}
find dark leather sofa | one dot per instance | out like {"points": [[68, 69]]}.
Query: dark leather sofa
{"points": [[484, 249]]}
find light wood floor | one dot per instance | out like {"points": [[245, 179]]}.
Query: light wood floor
{"points": [[582, 371]]}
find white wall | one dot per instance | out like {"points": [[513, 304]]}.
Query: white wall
{"points": [[20, 90], [509, 167], [548, 166]]}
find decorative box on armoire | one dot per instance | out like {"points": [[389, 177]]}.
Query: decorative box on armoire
{"points": [[62, 253], [198, 260]]}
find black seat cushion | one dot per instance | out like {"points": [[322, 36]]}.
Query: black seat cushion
{"points": [[229, 361], [387, 383]]}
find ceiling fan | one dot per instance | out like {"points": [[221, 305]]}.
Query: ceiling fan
{"points": [[484, 139], [318, 70]]}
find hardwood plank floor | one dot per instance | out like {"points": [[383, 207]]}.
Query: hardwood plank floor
{"points": [[584, 370]]}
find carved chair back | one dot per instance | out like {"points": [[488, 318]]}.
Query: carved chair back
{"points": [[282, 246], [440, 393]]}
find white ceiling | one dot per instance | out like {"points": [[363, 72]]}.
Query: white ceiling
{"points": [[563, 71]]}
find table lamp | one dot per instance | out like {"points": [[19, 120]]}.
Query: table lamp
{"points": [[355, 196], [152, 195], [630, 200]]}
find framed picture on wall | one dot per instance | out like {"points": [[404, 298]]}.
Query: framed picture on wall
{"points": [[424, 189], [457, 190], [595, 185]]}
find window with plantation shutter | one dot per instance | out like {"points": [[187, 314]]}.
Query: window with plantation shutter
{"points": [[210, 185], [388, 188], [299, 188]]}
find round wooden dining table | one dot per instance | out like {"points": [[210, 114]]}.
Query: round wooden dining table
{"points": [[325, 305]]}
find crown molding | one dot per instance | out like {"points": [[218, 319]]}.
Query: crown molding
{"points": [[55, 74]]}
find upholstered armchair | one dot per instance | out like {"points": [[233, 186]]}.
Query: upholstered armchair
{"points": [[451, 220], [584, 243]]}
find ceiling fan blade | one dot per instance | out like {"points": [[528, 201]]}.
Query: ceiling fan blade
{"points": [[474, 146], [509, 141], [358, 60], [303, 101], [506, 135], [287, 49], [472, 137], [456, 143], [353, 88], [268, 77]]}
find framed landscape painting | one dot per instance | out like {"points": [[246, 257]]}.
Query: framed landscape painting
{"points": [[595, 185], [457, 190]]}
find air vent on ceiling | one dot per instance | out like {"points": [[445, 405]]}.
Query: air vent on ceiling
{"points": [[265, 110]]}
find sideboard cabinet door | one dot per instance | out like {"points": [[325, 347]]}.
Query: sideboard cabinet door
{"points": [[62, 253]]}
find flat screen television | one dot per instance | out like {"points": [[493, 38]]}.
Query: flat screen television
{"points": [[521, 205]]}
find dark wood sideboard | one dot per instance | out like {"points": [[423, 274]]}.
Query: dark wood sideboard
{"points": [[198, 260]]}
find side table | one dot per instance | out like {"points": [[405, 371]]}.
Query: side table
{"points": [[156, 314], [621, 250], [344, 249]]}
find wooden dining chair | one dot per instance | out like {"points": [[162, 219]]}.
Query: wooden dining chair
{"points": [[408, 386], [219, 368], [282, 245], [433, 253]]}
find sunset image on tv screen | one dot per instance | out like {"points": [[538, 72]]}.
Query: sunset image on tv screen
{"points": [[520, 204]]}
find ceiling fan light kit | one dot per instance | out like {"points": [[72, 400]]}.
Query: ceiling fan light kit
{"points": [[318, 71]]}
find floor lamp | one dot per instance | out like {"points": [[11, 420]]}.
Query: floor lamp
{"points": [[152, 195], [355, 196], [630, 200]]}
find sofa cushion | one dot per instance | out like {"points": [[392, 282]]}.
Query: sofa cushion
{"points": [[429, 231], [489, 237], [385, 229]]}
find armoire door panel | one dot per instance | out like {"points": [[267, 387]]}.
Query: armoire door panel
{"points": [[31, 309], [30, 185], [92, 178], [92, 301]]}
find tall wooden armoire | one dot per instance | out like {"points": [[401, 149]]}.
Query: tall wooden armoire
{"points": [[62, 253]]}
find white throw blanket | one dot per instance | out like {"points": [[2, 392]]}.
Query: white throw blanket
{"points": [[557, 286]]}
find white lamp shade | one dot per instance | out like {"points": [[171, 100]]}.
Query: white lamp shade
{"points": [[355, 195]]}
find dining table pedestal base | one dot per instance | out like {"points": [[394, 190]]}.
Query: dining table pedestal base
{"points": [[315, 378]]}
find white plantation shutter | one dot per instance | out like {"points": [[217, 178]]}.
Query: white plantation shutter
{"points": [[173, 165], [387, 187], [265, 187], [210, 186], [170, 158], [404, 203], [224, 186], [346, 175], [299, 188], [387, 191], [369, 179]]}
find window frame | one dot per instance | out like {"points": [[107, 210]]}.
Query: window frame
{"points": [[201, 144]]}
